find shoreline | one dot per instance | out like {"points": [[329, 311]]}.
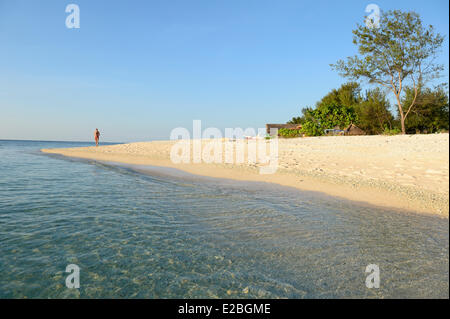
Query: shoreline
{"points": [[425, 199]]}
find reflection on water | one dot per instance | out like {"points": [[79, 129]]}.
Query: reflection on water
{"points": [[159, 236]]}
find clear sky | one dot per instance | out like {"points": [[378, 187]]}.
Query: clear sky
{"points": [[138, 69]]}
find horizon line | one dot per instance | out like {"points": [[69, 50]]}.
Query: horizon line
{"points": [[62, 141]]}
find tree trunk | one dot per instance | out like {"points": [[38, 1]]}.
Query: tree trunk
{"points": [[402, 120], [402, 116]]}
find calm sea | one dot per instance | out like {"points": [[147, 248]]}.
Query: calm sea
{"points": [[137, 233]]}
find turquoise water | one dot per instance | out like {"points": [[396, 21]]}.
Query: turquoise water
{"points": [[154, 234]]}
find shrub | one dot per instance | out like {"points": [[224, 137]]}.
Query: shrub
{"points": [[394, 131], [326, 116], [289, 133]]}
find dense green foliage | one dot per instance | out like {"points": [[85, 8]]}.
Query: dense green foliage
{"points": [[289, 133], [371, 112], [326, 116], [394, 131], [298, 120], [301, 119], [430, 114], [337, 108]]}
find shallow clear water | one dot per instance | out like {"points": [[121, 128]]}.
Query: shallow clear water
{"points": [[157, 235]]}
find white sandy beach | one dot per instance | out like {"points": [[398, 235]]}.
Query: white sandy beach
{"points": [[407, 172]]}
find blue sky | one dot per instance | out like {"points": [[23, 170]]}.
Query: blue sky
{"points": [[138, 69]]}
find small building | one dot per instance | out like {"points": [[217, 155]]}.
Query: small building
{"points": [[352, 129]]}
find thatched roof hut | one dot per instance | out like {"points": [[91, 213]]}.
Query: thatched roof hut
{"points": [[352, 129]]}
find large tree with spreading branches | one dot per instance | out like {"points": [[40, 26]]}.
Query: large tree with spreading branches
{"points": [[398, 52]]}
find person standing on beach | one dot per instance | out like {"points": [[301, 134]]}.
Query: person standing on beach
{"points": [[96, 136]]}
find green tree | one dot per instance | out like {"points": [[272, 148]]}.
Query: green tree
{"points": [[399, 52], [337, 108], [300, 119], [311, 125], [326, 116], [347, 95], [431, 111], [373, 112]]}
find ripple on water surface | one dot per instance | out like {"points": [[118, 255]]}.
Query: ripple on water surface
{"points": [[159, 236]]}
